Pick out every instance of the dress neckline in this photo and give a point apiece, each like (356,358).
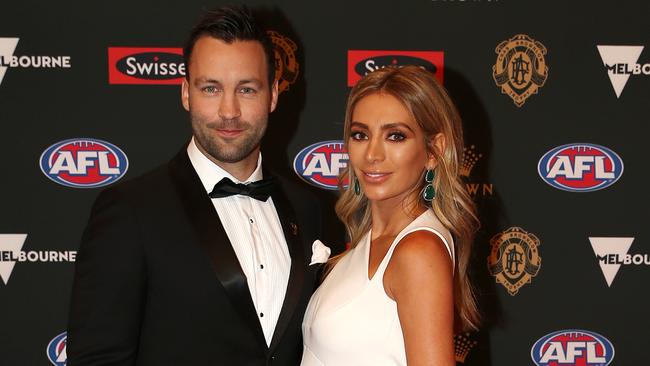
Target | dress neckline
(368,243)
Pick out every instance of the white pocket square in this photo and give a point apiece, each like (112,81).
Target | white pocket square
(319,252)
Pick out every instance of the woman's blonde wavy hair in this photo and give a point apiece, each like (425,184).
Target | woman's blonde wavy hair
(435,113)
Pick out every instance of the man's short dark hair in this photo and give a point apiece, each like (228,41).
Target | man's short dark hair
(230,24)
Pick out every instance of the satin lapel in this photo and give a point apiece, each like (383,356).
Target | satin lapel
(214,240)
(298,265)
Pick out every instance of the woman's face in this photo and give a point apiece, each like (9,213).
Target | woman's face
(386,148)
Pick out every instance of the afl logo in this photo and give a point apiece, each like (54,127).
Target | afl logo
(572,347)
(580,167)
(320,164)
(56,350)
(84,163)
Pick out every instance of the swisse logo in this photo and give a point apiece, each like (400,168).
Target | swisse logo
(130,65)
(9,60)
(361,63)
(84,163)
(56,350)
(580,167)
(572,347)
(321,163)
(620,62)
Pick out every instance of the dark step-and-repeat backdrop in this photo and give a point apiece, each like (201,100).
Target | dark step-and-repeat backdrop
(554,95)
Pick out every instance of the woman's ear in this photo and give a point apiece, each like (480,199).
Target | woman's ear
(437,143)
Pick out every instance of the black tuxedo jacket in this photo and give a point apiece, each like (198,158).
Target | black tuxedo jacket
(158,283)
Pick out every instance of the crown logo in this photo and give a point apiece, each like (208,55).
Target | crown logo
(463,344)
(470,157)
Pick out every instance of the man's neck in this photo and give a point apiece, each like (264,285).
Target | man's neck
(242,169)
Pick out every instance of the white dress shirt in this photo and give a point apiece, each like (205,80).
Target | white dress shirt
(255,233)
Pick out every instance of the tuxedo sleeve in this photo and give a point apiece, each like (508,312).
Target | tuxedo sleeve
(109,286)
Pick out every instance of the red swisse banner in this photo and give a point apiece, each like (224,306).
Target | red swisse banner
(136,65)
(361,63)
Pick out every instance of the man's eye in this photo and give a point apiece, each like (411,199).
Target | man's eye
(358,135)
(396,136)
(210,89)
(247,90)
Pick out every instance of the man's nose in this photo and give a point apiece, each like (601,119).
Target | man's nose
(229,107)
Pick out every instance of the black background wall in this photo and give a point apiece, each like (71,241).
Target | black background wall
(555,280)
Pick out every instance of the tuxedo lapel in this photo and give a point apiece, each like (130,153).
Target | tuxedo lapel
(214,240)
(298,266)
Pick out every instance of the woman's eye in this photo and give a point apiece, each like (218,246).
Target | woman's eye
(356,135)
(396,136)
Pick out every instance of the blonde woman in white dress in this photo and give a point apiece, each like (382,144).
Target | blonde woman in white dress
(397,296)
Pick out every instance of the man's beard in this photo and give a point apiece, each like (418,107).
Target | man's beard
(231,151)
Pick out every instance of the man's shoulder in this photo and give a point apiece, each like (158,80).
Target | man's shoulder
(150,185)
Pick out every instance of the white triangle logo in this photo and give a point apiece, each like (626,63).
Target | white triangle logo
(7,48)
(612,55)
(605,246)
(10,243)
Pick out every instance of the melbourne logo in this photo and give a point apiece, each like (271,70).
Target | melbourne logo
(11,252)
(463,344)
(521,68)
(56,350)
(470,158)
(572,347)
(620,63)
(84,163)
(611,253)
(286,66)
(8,60)
(580,167)
(514,259)
(132,65)
(321,163)
(361,63)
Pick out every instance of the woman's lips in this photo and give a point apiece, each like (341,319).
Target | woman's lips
(375,177)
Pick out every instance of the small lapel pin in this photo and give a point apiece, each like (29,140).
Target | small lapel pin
(294,228)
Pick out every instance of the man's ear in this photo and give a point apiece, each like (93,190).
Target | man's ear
(438,144)
(185,94)
(274,96)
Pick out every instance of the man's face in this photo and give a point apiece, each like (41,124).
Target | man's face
(228,98)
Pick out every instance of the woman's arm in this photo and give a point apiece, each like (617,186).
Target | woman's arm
(419,278)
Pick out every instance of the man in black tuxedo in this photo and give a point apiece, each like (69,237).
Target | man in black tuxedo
(193,263)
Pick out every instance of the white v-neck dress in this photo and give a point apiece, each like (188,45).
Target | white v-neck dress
(350,320)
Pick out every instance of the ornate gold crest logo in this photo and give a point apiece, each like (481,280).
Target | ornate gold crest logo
(286,66)
(514,259)
(463,343)
(520,69)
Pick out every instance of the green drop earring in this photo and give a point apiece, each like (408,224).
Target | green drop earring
(357,189)
(429,192)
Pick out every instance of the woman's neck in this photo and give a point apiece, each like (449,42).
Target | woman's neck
(389,217)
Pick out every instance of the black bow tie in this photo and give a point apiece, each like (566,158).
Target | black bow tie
(260,190)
